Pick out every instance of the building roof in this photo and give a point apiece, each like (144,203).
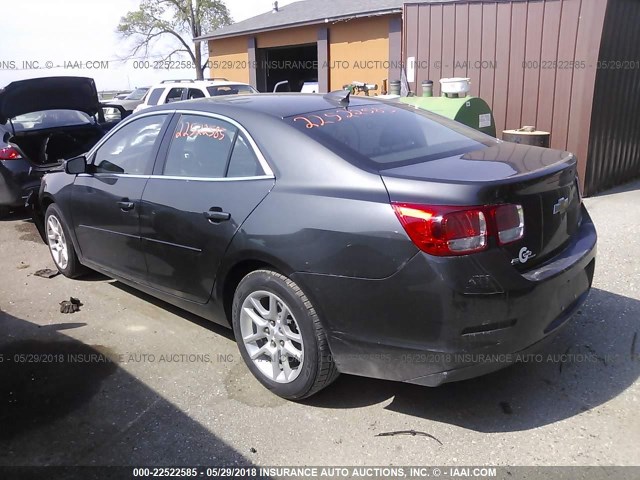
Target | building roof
(308,12)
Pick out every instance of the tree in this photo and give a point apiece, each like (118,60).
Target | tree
(179,20)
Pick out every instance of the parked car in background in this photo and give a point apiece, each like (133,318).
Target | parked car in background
(129,103)
(16,180)
(170,91)
(44,121)
(122,95)
(334,234)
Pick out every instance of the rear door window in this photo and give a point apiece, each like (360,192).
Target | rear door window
(244,162)
(174,95)
(154,96)
(201,147)
(195,93)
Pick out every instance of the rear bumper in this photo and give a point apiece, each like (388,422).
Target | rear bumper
(16,183)
(439,320)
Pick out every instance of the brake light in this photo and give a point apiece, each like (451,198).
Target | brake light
(9,153)
(445,230)
(509,223)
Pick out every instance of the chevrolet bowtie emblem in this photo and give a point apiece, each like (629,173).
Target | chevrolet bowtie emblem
(561,206)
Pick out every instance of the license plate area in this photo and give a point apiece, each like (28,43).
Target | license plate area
(569,296)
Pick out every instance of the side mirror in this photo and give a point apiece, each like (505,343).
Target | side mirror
(76,166)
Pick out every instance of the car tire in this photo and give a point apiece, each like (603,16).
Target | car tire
(60,245)
(280,336)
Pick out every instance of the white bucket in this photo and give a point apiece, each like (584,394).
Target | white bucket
(455,85)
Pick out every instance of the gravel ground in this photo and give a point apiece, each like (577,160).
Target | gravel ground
(176,392)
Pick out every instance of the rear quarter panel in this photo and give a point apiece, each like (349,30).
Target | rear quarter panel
(56,187)
(324,215)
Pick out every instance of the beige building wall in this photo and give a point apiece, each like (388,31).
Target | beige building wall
(358,50)
(228,58)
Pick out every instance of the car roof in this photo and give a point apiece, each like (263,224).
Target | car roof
(279,105)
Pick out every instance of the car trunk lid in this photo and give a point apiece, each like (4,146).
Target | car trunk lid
(49,93)
(542,180)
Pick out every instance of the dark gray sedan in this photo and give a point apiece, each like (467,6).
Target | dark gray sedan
(333,234)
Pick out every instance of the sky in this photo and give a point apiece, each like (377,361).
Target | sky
(49,38)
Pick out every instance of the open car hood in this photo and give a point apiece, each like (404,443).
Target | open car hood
(48,93)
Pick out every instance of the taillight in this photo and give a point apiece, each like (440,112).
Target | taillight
(509,223)
(443,230)
(9,153)
(465,231)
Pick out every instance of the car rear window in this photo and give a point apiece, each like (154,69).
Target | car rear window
(50,119)
(385,136)
(230,90)
(137,94)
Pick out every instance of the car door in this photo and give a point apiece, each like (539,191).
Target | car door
(212,178)
(106,202)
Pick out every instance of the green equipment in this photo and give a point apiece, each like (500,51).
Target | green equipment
(471,111)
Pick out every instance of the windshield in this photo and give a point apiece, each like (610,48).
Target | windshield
(50,119)
(385,136)
(231,90)
(137,94)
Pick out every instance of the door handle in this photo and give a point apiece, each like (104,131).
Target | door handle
(125,206)
(216,216)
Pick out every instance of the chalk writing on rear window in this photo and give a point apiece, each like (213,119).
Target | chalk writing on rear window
(337,116)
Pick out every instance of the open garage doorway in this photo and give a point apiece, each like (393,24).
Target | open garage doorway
(295,64)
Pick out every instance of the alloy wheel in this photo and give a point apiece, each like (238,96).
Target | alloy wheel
(57,242)
(271,336)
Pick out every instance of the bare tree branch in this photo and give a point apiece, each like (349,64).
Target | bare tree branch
(169,55)
(176,19)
